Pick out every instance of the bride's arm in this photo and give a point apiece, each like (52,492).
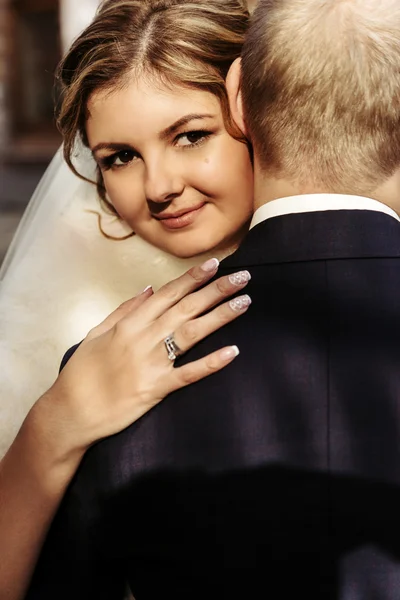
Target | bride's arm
(118,373)
(34,475)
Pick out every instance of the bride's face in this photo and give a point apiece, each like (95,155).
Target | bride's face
(170,168)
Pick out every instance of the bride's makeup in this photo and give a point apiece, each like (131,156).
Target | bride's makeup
(170,168)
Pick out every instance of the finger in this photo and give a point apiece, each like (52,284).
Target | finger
(172,292)
(192,332)
(120,313)
(203,300)
(203,367)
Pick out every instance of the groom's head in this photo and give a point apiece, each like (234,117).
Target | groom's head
(320,92)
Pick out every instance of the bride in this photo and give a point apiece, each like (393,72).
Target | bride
(49,300)
(181,180)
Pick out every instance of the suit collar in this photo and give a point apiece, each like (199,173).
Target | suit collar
(325,235)
(318,203)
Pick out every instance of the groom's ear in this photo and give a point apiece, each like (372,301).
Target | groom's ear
(235,94)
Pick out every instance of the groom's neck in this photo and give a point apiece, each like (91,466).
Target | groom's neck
(268,188)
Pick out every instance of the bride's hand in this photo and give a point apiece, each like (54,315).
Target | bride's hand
(122,369)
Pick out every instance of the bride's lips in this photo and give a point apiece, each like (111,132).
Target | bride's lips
(180,219)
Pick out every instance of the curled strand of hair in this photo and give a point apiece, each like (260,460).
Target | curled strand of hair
(104,233)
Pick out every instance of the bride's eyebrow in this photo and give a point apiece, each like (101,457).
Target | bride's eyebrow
(115,147)
(167,133)
(172,129)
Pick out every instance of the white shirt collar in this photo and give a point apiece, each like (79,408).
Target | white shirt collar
(317,203)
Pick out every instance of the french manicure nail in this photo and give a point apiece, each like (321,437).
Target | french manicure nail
(240,304)
(146,289)
(210,265)
(240,278)
(229,353)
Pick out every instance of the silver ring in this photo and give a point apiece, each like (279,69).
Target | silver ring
(172,347)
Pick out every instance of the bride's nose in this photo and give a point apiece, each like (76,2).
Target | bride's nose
(163,182)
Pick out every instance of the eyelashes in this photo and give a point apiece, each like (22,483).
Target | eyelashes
(123,158)
(195,138)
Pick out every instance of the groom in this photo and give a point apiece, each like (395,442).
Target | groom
(280,475)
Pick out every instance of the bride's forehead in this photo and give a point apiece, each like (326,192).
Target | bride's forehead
(144,99)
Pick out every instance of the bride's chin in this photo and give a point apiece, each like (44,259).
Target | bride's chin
(190,250)
(198,250)
(194,244)
(189,253)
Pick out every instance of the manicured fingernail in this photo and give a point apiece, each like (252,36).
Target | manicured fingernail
(240,278)
(210,265)
(229,353)
(146,289)
(240,304)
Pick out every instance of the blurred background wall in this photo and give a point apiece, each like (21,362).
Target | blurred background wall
(33,35)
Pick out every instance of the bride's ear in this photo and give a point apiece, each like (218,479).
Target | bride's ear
(235,94)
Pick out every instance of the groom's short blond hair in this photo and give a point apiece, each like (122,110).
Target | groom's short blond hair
(321,91)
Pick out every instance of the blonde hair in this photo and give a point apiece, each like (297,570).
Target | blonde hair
(182,42)
(321,91)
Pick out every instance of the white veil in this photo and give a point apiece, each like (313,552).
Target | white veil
(57,183)
(61,277)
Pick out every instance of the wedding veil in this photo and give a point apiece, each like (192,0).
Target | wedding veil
(49,200)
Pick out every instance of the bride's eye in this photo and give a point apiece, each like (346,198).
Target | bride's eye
(119,159)
(124,157)
(192,138)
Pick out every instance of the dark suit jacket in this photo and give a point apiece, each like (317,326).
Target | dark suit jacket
(278,476)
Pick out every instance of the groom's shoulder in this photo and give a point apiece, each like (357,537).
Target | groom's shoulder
(329,234)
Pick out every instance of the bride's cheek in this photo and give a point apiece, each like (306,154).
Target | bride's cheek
(207,170)
(120,194)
